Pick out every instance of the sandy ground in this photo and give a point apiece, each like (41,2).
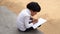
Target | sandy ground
(50,11)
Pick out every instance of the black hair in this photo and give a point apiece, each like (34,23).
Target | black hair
(34,6)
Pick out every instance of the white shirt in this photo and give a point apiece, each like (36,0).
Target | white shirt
(23,20)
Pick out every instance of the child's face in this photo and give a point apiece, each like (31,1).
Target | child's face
(33,13)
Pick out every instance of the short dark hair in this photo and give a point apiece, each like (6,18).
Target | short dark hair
(34,6)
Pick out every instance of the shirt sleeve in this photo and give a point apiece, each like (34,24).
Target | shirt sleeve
(27,24)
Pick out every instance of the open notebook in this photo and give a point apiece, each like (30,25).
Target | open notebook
(40,22)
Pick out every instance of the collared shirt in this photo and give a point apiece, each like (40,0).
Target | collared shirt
(23,20)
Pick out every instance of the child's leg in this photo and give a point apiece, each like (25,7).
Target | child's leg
(29,29)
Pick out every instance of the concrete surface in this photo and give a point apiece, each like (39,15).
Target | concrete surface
(50,9)
(8,23)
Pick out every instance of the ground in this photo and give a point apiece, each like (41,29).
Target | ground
(50,11)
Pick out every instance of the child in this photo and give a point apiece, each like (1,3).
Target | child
(24,20)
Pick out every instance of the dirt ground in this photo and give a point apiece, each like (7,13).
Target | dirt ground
(50,11)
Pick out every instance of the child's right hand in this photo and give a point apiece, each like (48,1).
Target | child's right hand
(35,21)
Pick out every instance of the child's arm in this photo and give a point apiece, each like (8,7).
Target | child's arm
(33,20)
(27,24)
(27,20)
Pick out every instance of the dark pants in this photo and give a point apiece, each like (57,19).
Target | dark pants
(29,29)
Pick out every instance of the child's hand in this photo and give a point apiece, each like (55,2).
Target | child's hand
(35,21)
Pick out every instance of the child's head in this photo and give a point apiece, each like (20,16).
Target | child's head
(33,7)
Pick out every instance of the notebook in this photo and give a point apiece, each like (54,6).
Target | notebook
(40,22)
